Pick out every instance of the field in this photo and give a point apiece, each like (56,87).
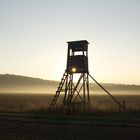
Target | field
(25,117)
(22,102)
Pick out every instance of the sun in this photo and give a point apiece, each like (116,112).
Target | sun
(73,69)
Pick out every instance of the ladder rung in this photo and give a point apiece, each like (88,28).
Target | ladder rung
(59,86)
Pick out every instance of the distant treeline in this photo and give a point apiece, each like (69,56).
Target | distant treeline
(17,80)
(8,81)
(116,86)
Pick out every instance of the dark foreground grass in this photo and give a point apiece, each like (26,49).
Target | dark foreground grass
(25,117)
(43,125)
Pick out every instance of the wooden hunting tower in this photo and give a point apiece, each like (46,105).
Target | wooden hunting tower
(76,93)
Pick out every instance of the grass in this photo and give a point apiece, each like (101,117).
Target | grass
(102,109)
(26,117)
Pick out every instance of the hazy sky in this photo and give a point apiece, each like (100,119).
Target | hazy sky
(33,36)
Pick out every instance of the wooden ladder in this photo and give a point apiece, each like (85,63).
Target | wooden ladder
(59,89)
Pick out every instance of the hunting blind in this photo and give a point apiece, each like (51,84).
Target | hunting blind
(76,93)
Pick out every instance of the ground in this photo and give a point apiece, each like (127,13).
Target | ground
(33,127)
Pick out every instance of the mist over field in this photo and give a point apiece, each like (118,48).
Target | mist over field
(20,93)
(22,84)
